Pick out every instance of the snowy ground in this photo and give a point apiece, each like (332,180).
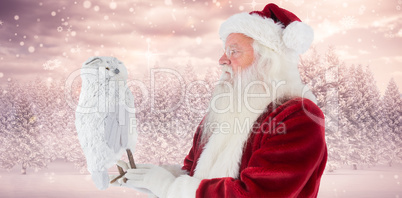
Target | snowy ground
(62,181)
(59,180)
(376,182)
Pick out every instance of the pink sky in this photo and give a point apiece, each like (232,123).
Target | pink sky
(52,38)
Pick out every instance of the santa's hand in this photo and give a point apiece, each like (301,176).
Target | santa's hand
(123,167)
(154,178)
(120,181)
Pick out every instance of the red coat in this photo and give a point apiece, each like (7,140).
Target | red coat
(275,162)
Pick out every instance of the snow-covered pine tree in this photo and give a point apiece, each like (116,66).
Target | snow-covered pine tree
(142,102)
(375,141)
(356,115)
(196,100)
(67,145)
(3,133)
(71,148)
(167,99)
(7,160)
(362,113)
(309,66)
(333,78)
(189,73)
(191,113)
(392,123)
(212,76)
(43,99)
(157,139)
(312,73)
(24,147)
(57,125)
(340,146)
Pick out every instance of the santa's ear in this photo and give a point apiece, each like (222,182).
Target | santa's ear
(92,60)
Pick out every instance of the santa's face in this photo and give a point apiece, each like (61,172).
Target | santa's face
(239,53)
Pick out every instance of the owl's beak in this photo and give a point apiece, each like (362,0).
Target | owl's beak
(116,71)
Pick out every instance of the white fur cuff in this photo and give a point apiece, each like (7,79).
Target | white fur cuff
(175,169)
(184,186)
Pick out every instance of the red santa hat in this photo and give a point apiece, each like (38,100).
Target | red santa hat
(274,27)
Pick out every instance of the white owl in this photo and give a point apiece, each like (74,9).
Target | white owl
(105,116)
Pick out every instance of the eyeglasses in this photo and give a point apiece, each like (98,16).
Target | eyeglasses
(232,52)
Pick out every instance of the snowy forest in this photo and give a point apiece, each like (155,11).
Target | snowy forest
(363,126)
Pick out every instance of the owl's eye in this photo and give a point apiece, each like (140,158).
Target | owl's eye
(107,68)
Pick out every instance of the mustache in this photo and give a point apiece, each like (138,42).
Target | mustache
(227,69)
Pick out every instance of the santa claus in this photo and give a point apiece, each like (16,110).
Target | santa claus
(263,135)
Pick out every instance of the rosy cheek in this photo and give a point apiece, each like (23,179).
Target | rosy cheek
(248,60)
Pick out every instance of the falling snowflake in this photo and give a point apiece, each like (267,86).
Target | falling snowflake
(298,2)
(362,9)
(77,49)
(348,22)
(59,29)
(168,2)
(253,3)
(51,64)
(1,22)
(113,5)
(389,35)
(87,4)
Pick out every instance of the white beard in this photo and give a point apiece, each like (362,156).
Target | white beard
(230,112)
(229,120)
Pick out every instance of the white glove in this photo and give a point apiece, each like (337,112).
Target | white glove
(120,182)
(162,182)
(154,178)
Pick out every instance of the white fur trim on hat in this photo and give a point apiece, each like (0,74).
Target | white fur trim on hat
(297,36)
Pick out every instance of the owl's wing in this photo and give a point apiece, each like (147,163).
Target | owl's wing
(124,128)
(116,128)
(111,130)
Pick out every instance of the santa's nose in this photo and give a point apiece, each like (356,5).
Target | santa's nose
(116,71)
(224,60)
